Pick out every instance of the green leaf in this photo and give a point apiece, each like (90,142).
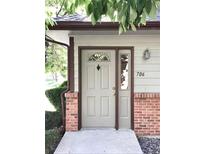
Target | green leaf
(157,3)
(104,6)
(99,6)
(72,9)
(148,6)
(128,12)
(81,2)
(153,11)
(143,18)
(122,12)
(76,3)
(65,5)
(123,20)
(93,19)
(96,13)
(110,12)
(89,9)
(133,27)
(133,14)
(121,29)
(125,28)
(133,4)
(140,5)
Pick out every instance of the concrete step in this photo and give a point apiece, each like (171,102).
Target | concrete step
(99,141)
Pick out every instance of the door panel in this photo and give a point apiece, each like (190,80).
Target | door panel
(91,77)
(124,105)
(104,76)
(91,106)
(105,105)
(98,80)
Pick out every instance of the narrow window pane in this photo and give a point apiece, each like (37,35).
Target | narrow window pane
(124,71)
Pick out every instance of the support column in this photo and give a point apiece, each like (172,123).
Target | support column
(71,111)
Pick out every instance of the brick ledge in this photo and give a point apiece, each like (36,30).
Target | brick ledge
(147,95)
(71,94)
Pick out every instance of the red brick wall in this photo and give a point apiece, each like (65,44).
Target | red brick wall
(71,111)
(147,114)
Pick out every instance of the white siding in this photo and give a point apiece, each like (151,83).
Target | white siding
(151,67)
(59,35)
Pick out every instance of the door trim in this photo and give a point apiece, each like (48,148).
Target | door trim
(116,48)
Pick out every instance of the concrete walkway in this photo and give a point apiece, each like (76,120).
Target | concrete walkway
(99,141)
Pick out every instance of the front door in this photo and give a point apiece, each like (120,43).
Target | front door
(98,88)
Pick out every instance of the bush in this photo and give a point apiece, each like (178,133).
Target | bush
(52,138)
(63,85)
(53,119)
(54,97)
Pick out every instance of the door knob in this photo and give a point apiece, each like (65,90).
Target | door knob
(114,91)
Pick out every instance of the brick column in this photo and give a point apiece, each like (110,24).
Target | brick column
(147,114)
(71,111)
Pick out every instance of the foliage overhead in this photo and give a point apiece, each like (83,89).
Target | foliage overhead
(127,12)
(55,60)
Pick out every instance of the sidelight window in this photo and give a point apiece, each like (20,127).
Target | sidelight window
(124,72)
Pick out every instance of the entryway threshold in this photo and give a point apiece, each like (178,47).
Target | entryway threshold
(99,141)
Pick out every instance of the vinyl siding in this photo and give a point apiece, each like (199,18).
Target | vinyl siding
(151,67)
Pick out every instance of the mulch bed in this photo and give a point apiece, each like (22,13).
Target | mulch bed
(149,145)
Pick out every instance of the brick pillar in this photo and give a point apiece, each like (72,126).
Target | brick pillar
(71,111)
(147,114)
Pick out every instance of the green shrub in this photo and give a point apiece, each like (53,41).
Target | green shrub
(54,97)
(63,85)
(52,138)
(53,119)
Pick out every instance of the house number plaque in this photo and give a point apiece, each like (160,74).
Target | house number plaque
(140,74)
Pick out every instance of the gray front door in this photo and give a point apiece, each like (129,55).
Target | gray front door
(98,88)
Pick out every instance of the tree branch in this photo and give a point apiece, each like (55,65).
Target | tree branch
(60,8)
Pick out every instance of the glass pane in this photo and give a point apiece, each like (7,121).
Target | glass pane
(124,71)
(99,57)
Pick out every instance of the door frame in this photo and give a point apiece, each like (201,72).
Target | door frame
(116,48)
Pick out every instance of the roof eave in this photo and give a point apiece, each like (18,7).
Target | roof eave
(79,25)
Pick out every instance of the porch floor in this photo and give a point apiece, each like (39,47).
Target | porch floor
(99,141)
